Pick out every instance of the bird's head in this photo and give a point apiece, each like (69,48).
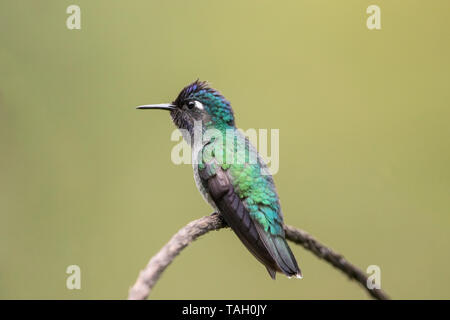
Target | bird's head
(198,102)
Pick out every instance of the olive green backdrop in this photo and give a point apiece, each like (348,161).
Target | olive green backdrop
(86,179)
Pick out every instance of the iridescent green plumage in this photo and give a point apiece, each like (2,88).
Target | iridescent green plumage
(250,179)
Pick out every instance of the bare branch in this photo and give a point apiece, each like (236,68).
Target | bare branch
(336,260)
(156,266)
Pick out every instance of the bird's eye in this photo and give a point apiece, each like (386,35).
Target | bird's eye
(191,104)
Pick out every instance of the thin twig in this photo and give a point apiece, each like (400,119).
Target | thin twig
(156,266)
(336,260)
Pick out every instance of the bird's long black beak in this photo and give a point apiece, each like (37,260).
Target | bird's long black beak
(162,106)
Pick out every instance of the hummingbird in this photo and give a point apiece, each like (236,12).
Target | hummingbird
(241,190)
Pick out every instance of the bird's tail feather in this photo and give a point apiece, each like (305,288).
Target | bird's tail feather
(285,258)
(280,252)
(271,272)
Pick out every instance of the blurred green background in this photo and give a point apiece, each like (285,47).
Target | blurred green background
(86,179)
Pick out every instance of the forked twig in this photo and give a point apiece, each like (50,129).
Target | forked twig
(158,263)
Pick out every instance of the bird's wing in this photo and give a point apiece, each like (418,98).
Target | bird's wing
(254,220)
